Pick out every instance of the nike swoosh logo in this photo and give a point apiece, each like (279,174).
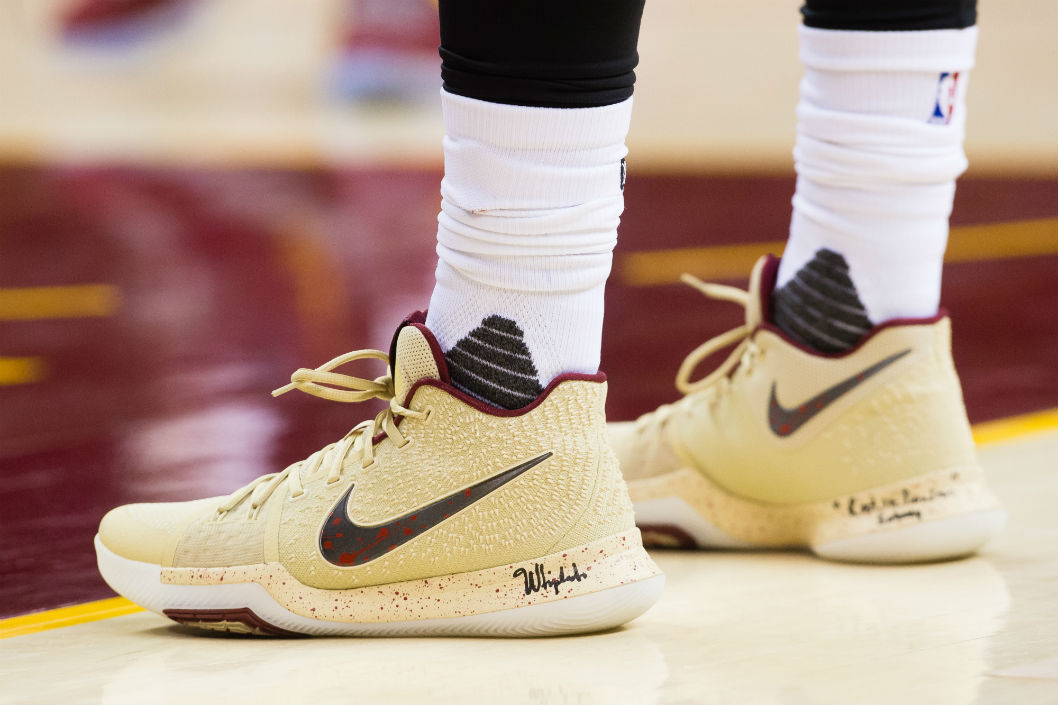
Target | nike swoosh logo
(343,542)
(785,421)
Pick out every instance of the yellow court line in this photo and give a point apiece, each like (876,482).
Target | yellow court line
(66,616)
(20,370)
(966,244)
(39,302)
(1014,427)
(984,433)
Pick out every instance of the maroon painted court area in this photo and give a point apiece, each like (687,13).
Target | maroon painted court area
(229,280)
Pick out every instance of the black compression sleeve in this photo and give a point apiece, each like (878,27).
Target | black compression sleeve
(889,15)
(550,53)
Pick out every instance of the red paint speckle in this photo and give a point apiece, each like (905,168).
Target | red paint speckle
(326,544)
(407,532)
(785,428)
(336,521)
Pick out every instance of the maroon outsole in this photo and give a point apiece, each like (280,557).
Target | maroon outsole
(243,615)
(666,536)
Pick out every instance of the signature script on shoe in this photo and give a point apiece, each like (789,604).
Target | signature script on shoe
(538,579)
(892,508)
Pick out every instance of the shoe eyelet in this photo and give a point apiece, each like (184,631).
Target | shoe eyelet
(429,413)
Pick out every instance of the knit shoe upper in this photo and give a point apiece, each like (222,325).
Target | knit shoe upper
(778,425)
(438,483)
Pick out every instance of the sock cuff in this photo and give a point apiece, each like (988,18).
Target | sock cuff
(504,160)
(917,51)
(524,128)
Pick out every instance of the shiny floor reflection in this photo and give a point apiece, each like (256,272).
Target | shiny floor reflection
(731,627)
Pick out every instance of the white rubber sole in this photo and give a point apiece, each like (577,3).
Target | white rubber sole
(249,608)
(940,515)
(940,539)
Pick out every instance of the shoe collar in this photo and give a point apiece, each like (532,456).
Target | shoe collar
(759,311)
(416,360)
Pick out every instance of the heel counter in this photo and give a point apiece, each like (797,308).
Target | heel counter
(950,396)
(608,509)
(922,408)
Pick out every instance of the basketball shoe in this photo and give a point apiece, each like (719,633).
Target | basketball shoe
(861,456)
(441,516)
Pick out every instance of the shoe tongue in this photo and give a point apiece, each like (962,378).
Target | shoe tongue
(415,355)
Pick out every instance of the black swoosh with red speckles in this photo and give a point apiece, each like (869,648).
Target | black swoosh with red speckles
(785,421)
(345,543)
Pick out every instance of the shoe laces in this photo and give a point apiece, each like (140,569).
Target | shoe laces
(357,444)
(743,356)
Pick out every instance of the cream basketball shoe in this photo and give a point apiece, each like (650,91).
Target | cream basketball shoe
(861,456)
(441,516)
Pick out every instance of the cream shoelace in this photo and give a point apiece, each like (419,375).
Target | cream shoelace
(323,382)
(744,355)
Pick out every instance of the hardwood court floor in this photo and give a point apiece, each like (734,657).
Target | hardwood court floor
(146,313)
(730,628)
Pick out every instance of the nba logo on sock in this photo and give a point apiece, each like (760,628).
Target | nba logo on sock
(947,85)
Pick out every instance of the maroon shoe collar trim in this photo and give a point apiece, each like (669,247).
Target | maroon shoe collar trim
(495,411)
(892,323)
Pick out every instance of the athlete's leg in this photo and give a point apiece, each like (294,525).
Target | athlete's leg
(537,102)
(879,145)
(364,536)
(837,422)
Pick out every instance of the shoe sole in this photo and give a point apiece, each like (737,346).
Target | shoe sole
(618,583)
(941,515)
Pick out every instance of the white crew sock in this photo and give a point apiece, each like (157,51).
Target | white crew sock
(879,145)
(531,199)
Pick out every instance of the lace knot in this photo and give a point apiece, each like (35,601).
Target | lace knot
(323,382)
